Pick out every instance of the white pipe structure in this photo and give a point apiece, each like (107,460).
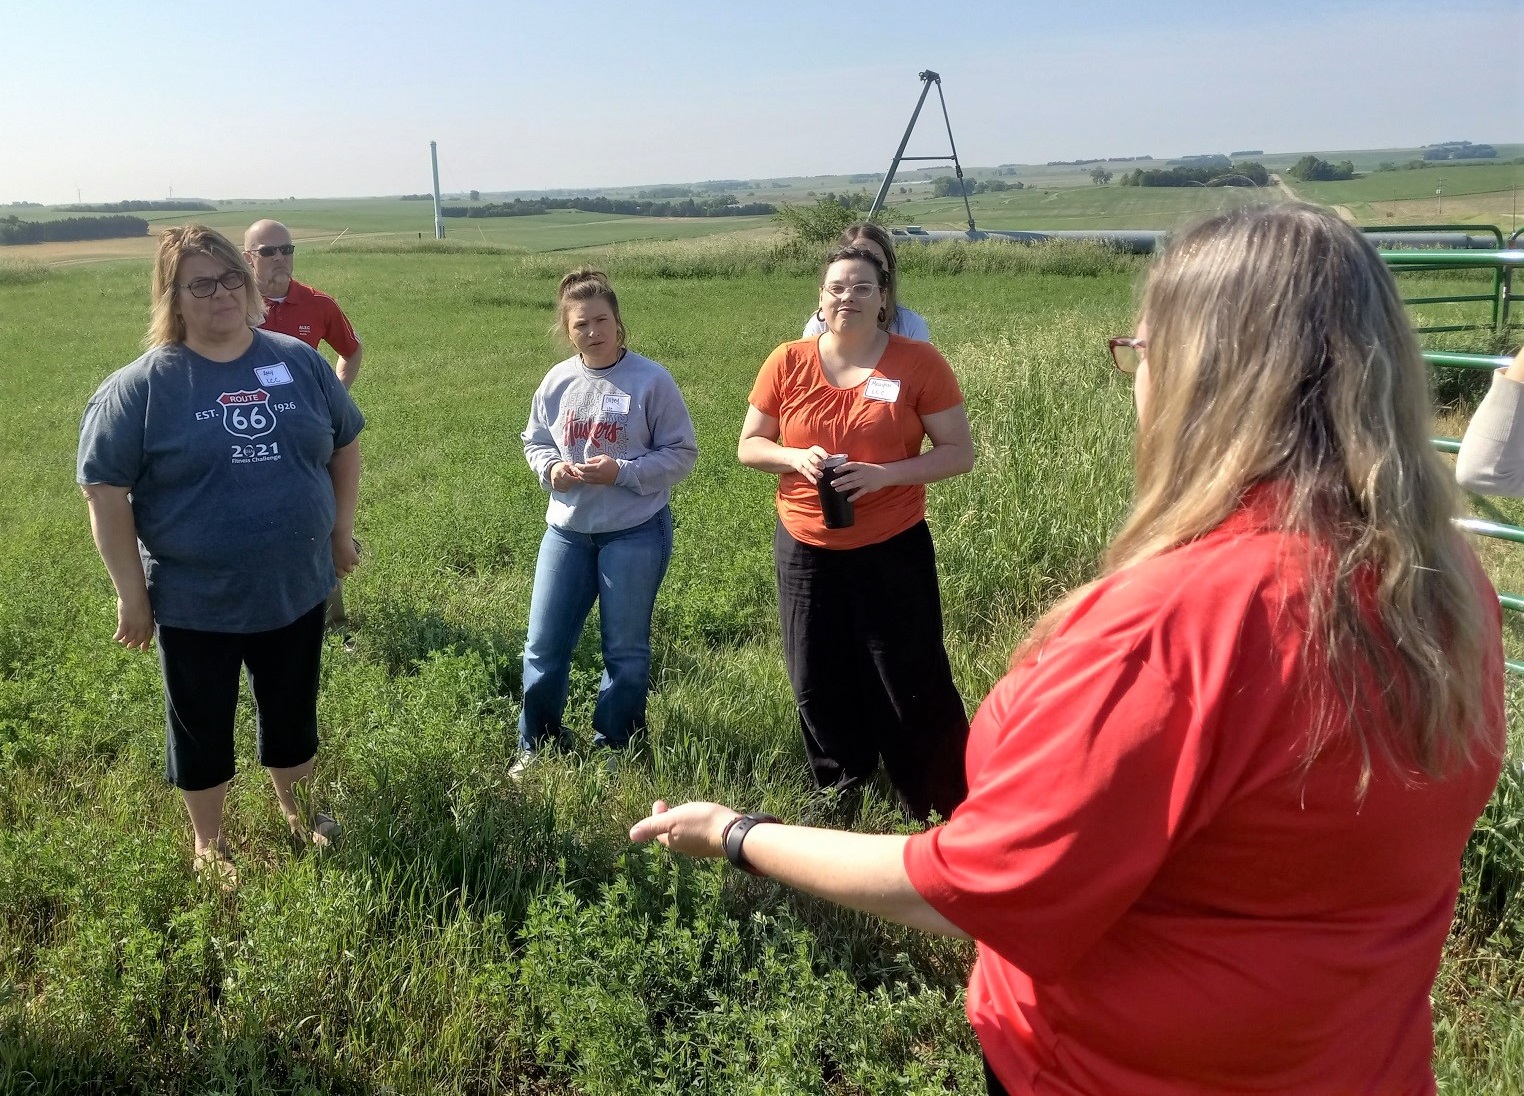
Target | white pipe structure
(438,209)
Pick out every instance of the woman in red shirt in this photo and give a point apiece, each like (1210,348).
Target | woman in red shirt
(1217,807)
(858,599)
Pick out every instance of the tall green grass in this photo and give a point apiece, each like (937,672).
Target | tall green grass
(477,935)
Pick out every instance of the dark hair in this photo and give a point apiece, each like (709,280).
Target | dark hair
(586,284)
(867,230)
(859,254)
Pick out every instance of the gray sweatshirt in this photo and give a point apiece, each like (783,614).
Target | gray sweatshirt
(1491,457)
(631,411)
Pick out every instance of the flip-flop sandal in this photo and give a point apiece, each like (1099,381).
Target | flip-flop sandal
(215,866)
(323,833)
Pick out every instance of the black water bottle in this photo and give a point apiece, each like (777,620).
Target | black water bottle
(836,507)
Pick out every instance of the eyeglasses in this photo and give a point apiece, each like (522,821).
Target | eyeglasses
(861,290)
(205,287)
(274,249)
(1128,353)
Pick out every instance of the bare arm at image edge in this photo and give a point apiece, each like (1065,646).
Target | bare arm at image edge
(1491,457)
(115,532)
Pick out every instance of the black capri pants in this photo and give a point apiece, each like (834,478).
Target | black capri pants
(862,636)
(201,676)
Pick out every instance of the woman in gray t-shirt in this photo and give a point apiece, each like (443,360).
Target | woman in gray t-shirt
(221,470)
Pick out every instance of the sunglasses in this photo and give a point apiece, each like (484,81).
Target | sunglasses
(1127,352)
(274,249)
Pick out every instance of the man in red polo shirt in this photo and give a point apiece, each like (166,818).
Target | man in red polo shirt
(292,308)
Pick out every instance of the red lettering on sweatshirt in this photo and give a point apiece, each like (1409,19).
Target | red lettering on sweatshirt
(595,434)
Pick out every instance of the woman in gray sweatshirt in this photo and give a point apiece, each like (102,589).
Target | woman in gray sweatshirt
(608,436)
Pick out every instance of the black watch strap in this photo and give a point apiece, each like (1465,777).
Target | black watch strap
(735,835)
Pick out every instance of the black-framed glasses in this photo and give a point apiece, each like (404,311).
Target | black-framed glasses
(205,287)
(269,250)
(861,290)
(1127,352)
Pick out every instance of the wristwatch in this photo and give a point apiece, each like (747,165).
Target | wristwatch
(735,835)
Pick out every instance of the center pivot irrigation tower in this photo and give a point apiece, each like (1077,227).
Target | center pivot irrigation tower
(927,79)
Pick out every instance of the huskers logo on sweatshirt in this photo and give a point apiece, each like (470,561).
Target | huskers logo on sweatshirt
(593,433)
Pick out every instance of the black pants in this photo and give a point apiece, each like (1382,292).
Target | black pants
(201,674)
(862,636)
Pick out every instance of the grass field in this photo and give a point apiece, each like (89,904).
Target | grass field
(473,935)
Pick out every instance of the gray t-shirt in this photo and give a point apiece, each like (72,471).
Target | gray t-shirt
(227,463)
(632,412)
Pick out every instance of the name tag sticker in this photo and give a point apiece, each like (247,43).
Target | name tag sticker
(273,374)
(882,388)
(616,403)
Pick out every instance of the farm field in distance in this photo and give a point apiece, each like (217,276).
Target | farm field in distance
(473,934)
(1059,196)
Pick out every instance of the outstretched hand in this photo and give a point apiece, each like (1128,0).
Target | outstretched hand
(695,829)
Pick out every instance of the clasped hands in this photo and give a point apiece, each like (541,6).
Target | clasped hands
(601,471)
(854,478)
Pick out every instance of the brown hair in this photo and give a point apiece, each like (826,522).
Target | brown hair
(165,324)
(886,313)
(585,284)
(867,230)
(1279,350)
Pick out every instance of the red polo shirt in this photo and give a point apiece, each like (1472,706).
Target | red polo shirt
(1164,900)
(311,316)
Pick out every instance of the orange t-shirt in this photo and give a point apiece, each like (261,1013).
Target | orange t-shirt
(878,421)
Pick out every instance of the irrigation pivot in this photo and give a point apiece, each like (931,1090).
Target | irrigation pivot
(927,79)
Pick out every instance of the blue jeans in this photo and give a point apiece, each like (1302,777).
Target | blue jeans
(623,571)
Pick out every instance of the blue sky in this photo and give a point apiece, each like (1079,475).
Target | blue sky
(224,100)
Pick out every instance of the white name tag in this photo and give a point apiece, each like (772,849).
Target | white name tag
(273,374)
(882,388)
(616,403)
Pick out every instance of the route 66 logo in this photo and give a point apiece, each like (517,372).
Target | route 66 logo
(247,414)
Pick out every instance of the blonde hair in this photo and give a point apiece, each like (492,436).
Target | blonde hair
(585,284)
(1278,350)
(165,324)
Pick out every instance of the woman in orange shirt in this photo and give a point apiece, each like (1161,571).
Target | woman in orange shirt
(842,419)
(1217,807)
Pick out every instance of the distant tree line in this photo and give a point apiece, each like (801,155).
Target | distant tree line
(1207,159)
(138,207)
(1097,160)
(1243,173)
(416,198)
(1244,153)
(16,231)
(946,186)
(1459,150)
(722,205)
(1310,169)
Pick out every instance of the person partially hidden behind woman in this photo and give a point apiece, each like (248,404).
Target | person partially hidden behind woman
(859,603)
(1491,457)
(1217,807)
(221,470)
(898,320)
